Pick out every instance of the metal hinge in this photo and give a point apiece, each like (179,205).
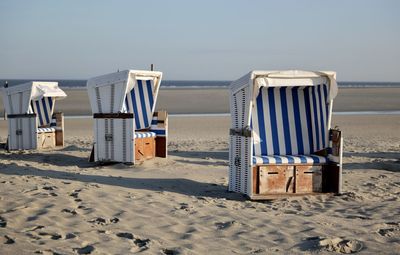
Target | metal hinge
(237,161)
(246,131)
(108,137)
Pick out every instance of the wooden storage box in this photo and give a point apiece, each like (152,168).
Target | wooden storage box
(46,140)
(308,179)
(284,179)
(144,148)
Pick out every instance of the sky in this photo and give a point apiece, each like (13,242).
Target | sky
(199,40)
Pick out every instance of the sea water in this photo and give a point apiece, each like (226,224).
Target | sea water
(173,84)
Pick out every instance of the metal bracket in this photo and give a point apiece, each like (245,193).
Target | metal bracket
(18,132)
(108,137)
(237,161)
(246,131)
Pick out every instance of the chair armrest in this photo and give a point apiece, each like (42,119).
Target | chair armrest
(335,141)
(159,123)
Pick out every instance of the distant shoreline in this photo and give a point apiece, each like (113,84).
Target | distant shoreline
(200,84)
(216,101)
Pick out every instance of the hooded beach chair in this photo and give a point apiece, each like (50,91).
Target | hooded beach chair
(31,121)
(281,141)
(126,128)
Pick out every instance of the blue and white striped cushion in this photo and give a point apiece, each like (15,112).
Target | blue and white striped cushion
(44,109)
(46,130)
(288,159)
(291,120)
(140,102)
(144,134)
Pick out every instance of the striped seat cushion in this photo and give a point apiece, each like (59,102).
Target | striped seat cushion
(290,120)
(46,130)
(140,102)
(289,159)
(144,134)
(44,109)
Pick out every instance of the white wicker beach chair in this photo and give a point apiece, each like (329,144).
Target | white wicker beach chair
(31,121)
(126,128)
(281,141)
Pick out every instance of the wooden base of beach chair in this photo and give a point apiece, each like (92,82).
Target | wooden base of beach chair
(294,179)
(46,140)
(145,148)
(161,147)
(59,121)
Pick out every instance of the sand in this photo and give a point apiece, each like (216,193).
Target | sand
(56,202)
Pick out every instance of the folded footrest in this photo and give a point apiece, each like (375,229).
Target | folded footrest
(46,130)
(144,134)
(289,159)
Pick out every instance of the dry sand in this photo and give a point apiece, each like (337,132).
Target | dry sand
(55,202)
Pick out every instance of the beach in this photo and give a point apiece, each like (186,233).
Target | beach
(216,100)
(56,202)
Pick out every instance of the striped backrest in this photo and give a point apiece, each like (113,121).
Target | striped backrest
(44,109)
(140,102)
(290,120)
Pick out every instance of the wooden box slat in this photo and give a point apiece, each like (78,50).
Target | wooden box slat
(272,179)
(144,148)
(46,140)
(308,179)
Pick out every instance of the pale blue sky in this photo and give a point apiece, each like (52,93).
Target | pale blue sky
(200,40)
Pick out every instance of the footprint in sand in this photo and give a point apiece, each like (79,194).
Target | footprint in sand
(70,236)
(70,211)
(184,207)
(49,187)
(88,249)
(75,193)
(3,222)
(340,245)
(225,225)
(7,240)
(34,228)
(47,252)
(53,236)
(170,251)
(392,230)
(333,244)
(103,221)
(140,243)
(99,221)
(125,235)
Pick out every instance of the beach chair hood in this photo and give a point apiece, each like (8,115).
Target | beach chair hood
(254,80)
(129,91)
(33,97)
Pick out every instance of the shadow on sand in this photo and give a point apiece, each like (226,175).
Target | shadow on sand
(55,158)
(220,155)
(389,161)
(177,185)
